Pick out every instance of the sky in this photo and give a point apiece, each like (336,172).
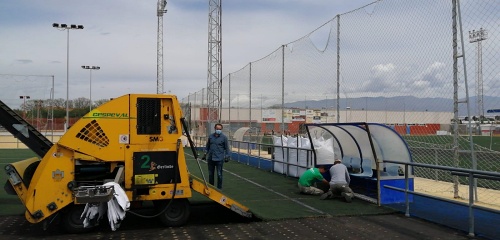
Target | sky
(120,36)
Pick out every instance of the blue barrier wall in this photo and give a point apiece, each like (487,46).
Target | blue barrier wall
(388,196)
(453,214)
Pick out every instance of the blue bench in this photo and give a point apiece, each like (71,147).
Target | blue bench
(364,166)
(366,169)
(352,163)
(391,169)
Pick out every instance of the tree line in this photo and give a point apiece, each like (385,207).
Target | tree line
(40,108)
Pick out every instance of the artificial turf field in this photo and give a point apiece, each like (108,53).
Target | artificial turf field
(489,162)
(269,196)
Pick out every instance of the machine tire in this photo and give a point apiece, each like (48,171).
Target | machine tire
(177,213)
(71,220)
(29,172)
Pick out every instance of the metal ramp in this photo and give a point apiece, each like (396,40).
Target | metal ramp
(199,186)
(23,131)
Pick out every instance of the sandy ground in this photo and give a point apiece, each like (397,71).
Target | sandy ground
(485,197)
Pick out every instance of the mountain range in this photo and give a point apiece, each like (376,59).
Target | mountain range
(399,103)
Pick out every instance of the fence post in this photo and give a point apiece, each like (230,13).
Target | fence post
(471,203)
(407,213)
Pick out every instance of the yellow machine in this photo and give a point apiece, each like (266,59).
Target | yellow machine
(133,140)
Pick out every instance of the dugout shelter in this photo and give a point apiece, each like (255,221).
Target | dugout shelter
(364,148)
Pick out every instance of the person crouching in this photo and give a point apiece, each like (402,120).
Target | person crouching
(309,178)
(339,184)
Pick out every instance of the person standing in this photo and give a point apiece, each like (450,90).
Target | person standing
(309,177)
(339,183)
(216,153)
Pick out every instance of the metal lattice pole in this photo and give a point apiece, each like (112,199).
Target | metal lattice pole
(479,36)
(214,79)
(159,46)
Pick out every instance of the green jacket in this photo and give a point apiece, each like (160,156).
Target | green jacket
(310,176)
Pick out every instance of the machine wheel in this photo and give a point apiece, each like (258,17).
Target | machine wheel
(177,213)
(71,220)
(29,172)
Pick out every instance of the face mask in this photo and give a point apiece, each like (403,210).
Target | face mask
(218,131)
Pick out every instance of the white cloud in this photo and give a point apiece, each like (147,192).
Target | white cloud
(383,50)
(420,84)
(120,37)
(381,69)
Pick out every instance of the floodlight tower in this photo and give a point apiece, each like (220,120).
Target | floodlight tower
(159,47)
(63,27)
(24,104)
(478,36)
(214,78)
(90,68)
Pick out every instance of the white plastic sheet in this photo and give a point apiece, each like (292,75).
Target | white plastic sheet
(325,151)
(292,156)
(289,155)
(298,157)
(303,157)
(280,153)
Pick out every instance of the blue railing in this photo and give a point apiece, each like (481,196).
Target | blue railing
(472,176)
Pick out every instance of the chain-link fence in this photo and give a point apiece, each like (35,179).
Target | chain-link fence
(417,66)
(32,96)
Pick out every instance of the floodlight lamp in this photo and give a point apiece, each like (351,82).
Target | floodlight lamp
(80,26)
(56,25)
(64,25)
(73,26)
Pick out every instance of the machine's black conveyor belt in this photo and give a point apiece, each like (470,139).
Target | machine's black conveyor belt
(23,131)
